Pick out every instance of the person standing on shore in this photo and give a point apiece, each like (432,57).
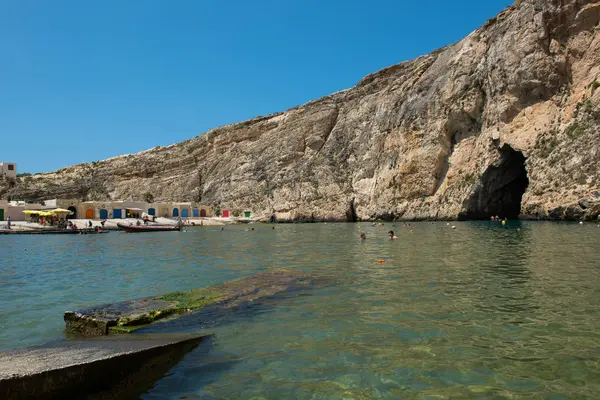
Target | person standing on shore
(9,220)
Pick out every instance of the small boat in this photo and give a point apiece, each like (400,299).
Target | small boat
(148,228)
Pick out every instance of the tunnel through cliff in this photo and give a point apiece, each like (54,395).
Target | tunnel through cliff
(500,189)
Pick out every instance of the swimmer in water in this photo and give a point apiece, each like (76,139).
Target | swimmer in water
(392,236)
(363,237)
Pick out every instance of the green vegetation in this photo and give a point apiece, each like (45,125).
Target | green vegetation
(236,212)
(546,145)
(136,314)
(466,180)
(594,85)
(148,197)
(192,299)
(471,179)
(118,330)
(574,131)
(177,303)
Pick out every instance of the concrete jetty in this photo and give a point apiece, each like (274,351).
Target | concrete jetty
(127,316)
(119,367)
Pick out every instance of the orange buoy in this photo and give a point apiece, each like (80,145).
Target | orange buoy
(381,261)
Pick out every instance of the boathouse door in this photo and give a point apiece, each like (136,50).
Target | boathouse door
(74,213)
(89,213)
(247,214)
(103,214)
(1,214)
(203,213)
(225,213)
(176,212)
(195,212)
(151,211)
(185,212)
(117,213)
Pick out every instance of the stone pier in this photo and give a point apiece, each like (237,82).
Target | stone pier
(118,367)
(127,316)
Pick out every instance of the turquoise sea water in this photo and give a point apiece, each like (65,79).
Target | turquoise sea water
(476,312)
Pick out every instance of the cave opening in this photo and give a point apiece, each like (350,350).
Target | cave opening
(500,189)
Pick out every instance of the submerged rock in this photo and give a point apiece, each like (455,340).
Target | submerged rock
(127,316)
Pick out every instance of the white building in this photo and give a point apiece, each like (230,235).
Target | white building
(8,170)
(14,210)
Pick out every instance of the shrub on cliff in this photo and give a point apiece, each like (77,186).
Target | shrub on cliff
(148,197)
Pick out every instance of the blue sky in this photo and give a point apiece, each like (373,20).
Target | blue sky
(86,80)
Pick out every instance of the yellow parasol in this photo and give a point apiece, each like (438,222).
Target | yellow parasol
(29,212)
(61,211)
(44,214)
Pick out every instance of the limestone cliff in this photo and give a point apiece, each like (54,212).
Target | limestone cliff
(460,133)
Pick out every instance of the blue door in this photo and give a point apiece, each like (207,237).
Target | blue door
(196,212)
(117,213)
(103,214)
(185,212)
(176,212)
(151,211)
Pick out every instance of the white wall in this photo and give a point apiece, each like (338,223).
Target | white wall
(16,211)
(4,169)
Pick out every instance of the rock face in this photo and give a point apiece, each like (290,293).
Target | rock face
(503,122)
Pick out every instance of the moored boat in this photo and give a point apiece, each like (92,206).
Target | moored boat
(148,228)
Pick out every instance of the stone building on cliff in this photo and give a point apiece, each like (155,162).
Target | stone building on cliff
(8,170)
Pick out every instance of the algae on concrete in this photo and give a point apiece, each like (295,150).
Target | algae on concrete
(128,316)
